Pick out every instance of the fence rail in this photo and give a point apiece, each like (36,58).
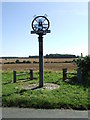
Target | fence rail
(21,74)
(79,74)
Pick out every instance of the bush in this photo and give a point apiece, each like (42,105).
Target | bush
(47,62)
(9,63)
(28,62)
(24,61)
(17,61)
(84,65)
(35,62)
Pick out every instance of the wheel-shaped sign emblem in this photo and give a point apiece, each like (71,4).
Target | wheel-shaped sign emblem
(40,24)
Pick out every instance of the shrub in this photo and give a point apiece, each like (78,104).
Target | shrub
(24,61)
(9,63)
(35,62)
(28,62)
(47,62)
(84,65)
(17,61)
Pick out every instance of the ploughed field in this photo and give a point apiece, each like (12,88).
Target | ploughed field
(49,64)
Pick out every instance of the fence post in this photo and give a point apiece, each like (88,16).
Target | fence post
(79,75)
(31,74)
(64,74)
(14,76)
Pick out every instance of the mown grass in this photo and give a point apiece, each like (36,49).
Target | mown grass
(70,95)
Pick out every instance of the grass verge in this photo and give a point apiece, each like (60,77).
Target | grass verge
(70,95)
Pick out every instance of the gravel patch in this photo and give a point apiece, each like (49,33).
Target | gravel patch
(48,86)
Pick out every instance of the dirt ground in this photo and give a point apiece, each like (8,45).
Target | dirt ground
(47,66)
(36,60)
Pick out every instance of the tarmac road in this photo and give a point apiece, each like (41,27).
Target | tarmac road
(42,113)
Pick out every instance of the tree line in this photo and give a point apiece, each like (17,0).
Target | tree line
(56,56)
(46,56)
(60,56)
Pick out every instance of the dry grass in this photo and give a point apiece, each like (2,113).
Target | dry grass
(59,66)
(47,66)
(19,67)
(37,60)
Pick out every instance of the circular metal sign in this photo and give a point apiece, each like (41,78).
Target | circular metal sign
(40,24)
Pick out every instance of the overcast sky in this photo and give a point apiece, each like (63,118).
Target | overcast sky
(68,25)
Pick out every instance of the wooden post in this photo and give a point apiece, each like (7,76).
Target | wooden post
(79,75)
(14,76)
(41,78)
(31,74)
(64,74)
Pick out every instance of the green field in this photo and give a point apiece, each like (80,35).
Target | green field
(70,95)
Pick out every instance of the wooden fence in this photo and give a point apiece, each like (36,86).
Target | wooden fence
(21,74)
(79,74)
